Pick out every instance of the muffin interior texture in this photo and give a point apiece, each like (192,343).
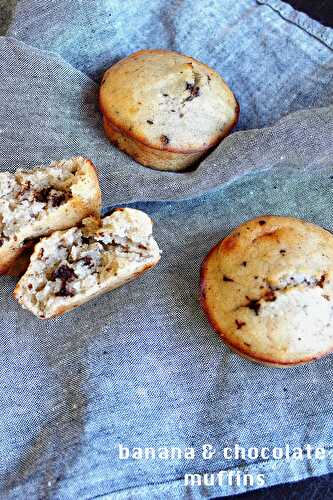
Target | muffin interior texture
(71,264)
(28,195)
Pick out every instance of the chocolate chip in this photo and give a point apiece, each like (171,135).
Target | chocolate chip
(150,122)
(208,78)
(283,252)
(262,222)
(64,273)
(57,199)
(42,196)
(165,95)
(239,324)
(226,278)
(254,305)
(88,261)
(244,263)
(1,242)
(194,91)
(164,139)
(322,281)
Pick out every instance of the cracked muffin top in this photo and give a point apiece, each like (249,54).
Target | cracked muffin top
(168,101)
(267,290)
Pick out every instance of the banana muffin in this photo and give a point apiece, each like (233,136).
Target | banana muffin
(71,267)
(165,109)
(36,202)
(267,290)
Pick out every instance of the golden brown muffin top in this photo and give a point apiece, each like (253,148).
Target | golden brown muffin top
(267,289)
(167,100)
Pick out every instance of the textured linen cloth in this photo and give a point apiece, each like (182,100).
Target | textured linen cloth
(141,366)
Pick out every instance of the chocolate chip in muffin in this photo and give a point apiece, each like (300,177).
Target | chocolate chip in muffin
(88,261)
(57,199)
(150,122)
(194,91)
(85,240)
(65,291)
(239,324)
(42,196)
(262,222)
(164,139)
(254,305)
(322,281)
(65,273)
(227,279)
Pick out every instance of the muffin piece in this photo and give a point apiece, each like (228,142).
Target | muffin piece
(267,290)
(165,109)
(71,267)
(35,202)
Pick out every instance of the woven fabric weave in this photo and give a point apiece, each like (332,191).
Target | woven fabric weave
(141,366)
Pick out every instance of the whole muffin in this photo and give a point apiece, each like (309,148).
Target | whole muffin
(165,109)
(267,290)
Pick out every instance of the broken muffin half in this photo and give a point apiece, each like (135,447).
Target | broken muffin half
(71,267)
(36,202)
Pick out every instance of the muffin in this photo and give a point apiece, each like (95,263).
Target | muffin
(71,267)
(165,109)
(267,290)
(36,202)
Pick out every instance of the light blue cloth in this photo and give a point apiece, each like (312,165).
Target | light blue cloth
(141,366)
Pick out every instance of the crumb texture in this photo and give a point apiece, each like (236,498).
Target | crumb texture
(35,202)
(70,267)
(276,304)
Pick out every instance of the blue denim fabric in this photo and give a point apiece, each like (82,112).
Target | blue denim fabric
(141,366)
